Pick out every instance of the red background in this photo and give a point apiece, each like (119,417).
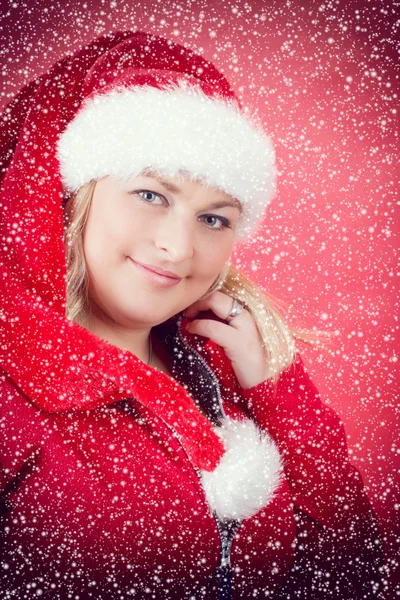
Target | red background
(323,77)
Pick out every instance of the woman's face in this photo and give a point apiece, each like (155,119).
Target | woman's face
(161,222)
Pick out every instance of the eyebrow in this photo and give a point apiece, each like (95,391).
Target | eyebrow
(174,189)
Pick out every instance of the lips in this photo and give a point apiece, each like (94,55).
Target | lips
(161,281)
(159,271)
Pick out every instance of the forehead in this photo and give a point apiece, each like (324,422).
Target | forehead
(173,184)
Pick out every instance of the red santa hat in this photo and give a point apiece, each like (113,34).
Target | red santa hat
(152,103)
(126,101)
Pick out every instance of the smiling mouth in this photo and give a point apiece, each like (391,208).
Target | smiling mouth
(156,278)
(159,271)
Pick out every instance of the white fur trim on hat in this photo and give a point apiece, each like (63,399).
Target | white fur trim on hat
(248,474)
(179,128)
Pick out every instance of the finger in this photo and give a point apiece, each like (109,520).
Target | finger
(202,304)
(220,303)
(193,310)
(220,333)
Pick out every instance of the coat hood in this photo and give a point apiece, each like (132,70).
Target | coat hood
(57,364)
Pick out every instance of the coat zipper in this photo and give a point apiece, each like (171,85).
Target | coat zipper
(227,533)
(205,365)
(228,529)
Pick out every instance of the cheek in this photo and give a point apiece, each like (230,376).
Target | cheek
(215,253)
(211,259)
(107,234)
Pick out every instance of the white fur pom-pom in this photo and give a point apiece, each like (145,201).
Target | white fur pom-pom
(248,474)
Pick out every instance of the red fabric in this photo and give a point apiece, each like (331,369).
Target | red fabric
(93,491)
(62,366)
(325,489)
(144,59)
(100,493)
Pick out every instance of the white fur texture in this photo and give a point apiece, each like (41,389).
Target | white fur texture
(248,474)
(175,129)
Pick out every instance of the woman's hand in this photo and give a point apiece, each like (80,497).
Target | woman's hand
(240,338)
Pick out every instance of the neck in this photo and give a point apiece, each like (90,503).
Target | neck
(136,340)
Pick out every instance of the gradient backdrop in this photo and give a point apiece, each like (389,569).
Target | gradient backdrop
(323,77)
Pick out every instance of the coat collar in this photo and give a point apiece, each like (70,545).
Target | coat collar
(60,366)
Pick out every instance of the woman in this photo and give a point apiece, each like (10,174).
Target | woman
(148,451)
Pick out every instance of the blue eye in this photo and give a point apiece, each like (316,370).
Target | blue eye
(148,193)
(148,198)
(225,223)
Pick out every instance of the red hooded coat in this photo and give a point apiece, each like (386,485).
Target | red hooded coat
(100,454)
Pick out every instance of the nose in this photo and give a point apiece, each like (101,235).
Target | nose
(175,238)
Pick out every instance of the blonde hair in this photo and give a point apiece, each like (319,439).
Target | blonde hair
(277,336)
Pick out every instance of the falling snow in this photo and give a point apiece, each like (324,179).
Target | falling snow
(101,494)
